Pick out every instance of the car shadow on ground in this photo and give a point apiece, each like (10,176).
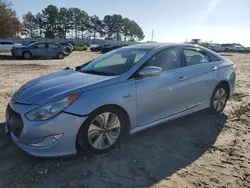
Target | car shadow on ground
(11,58)
(144,159)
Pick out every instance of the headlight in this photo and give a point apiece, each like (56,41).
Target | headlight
(51,109)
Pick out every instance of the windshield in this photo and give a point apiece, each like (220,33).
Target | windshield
(115,62)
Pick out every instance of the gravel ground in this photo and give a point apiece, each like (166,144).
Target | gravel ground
(200,150)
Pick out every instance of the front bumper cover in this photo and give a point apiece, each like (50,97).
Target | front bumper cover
(67,124)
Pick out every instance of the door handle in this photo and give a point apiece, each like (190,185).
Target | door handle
(182,78)
(214,68)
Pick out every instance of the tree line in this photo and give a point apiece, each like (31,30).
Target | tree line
(54,22)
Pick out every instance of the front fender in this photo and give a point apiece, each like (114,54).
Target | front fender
(122,94)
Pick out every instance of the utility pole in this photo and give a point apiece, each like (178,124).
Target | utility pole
(152,38)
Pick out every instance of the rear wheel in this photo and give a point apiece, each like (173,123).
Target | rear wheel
(102,130)
(26,55)
(219,99)
(60,56)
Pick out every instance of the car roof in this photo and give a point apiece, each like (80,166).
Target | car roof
(153,46)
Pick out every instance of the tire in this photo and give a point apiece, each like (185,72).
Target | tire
(60,56)
(98,140)
(219,106)
(27,55)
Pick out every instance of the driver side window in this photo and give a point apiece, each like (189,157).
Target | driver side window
(167,59)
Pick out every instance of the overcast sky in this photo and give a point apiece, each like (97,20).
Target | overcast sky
(172,20)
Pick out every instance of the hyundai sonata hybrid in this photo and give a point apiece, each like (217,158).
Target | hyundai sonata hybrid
(93,106)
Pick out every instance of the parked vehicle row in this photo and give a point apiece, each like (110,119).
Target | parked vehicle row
(228,48)
(137,87)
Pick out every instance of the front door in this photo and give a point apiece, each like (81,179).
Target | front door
(161,96)
(40,49)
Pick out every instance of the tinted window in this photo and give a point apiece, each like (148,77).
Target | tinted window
(167,59)
(53,46)
(195,57)
(40,45)
(213,58)
(6,43)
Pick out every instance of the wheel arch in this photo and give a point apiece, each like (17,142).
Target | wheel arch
(105,106)
(120,108)
(226,84)
(25,51)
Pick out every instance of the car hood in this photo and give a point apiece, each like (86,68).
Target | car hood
(59,84)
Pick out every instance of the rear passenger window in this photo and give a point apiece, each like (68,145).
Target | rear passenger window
(213,58)
(195,57)
(53,46)
(167,59)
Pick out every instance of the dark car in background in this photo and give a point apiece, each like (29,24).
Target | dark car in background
(95,48)
(106,49)
(68,46)
(40,49)
(98,48)
(109,48)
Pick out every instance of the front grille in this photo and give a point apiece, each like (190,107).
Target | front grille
(14,121)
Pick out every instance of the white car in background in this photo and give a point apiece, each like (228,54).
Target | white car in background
(228,48)
(223,48)
(8,45)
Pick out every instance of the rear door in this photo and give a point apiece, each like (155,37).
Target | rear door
(200,74)
(53,50)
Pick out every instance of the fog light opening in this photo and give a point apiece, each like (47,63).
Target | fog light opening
(48,141)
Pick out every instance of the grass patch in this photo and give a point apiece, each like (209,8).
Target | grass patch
(80,48)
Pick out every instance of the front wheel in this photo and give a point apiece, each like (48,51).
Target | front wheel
(219,99)
(102,130)
(26,55)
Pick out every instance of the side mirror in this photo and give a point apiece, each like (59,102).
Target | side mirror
(150,71)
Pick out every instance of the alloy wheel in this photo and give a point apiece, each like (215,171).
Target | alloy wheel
(220,99)
(104,131)
(26,55)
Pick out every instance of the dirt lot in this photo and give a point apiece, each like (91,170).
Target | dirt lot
(200,150)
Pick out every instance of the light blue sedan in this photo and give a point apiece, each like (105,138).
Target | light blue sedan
(93,106)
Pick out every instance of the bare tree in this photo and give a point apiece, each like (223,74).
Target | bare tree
(10,26)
